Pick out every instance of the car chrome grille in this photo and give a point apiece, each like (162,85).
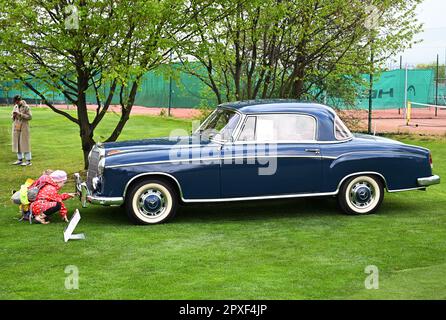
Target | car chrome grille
(93,167)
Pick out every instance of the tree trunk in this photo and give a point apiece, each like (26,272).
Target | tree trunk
(298,85)
(87,144)
(126,109)
(86,132)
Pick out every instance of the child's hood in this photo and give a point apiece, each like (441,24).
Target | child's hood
(46,179)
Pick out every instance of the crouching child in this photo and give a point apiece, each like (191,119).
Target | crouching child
(48,200)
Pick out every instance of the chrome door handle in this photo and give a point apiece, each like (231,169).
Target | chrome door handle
(316,151)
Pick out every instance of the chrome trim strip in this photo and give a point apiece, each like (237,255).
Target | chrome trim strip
(130,149)
(286,196)
(293,142)
(402,190)
(106,201)
(335,142)
(380,152)
(240,142)
(187,160)
(428,181)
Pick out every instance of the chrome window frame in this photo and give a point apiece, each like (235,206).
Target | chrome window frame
(315,133)
(343,124)
(244,116)
(236,129)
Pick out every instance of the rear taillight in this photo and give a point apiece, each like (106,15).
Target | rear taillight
(430,160)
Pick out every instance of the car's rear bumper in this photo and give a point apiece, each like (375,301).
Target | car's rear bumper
(428,181)
(85,195)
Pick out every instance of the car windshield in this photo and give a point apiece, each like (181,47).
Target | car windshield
(220,124)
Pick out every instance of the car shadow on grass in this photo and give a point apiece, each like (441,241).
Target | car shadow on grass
(225,211)
(100,215)
(258,210)
(266,210)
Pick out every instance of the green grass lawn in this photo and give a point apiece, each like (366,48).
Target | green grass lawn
(293,249)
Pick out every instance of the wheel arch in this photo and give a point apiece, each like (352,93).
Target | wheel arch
(365,173)
(155,175)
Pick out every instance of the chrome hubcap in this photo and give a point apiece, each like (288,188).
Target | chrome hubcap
(362,194)
(152,203)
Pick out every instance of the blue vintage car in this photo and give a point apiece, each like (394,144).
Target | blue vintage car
(254,150)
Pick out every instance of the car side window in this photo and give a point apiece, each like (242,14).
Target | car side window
(341,130)
(249,128)
(279,127)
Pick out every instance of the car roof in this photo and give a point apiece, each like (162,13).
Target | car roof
(277,105)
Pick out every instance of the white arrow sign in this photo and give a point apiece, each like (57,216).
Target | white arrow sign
(68,232)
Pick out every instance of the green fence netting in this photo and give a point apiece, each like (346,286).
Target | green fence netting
(389,87)
(187,91)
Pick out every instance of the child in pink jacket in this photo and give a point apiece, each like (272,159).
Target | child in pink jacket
(48,200)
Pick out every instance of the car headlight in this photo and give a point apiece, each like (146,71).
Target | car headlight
(101,166)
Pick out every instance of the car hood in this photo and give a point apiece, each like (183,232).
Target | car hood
(154,150)
(164,143)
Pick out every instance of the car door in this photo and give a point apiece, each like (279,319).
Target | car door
(275,154)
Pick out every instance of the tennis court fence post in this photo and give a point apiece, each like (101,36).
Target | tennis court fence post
(409,110)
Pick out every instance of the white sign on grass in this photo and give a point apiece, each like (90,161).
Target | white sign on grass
(68,232)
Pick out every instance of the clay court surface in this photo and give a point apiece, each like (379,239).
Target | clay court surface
(423,120)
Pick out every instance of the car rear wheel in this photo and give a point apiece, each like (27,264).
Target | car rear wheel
(151,202)
(361,195)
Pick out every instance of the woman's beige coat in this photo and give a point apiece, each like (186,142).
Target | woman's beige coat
(21,115)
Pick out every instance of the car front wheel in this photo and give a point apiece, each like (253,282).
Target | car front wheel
(361,195)
(151,202)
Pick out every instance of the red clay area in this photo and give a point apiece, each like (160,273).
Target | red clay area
(423,120)
(137,110)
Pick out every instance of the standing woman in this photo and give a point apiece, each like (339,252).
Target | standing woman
(21,144)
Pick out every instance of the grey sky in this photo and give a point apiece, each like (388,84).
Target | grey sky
(432,13)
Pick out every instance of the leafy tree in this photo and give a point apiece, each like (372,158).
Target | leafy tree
(433,66)
(76,47)
(303,49)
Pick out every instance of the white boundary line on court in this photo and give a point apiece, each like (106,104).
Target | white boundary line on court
(428,105)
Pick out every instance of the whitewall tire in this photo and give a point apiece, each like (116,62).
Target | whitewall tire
(151,202)
(361,195)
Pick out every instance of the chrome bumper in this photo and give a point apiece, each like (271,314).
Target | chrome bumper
(428,181)
(85,195)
